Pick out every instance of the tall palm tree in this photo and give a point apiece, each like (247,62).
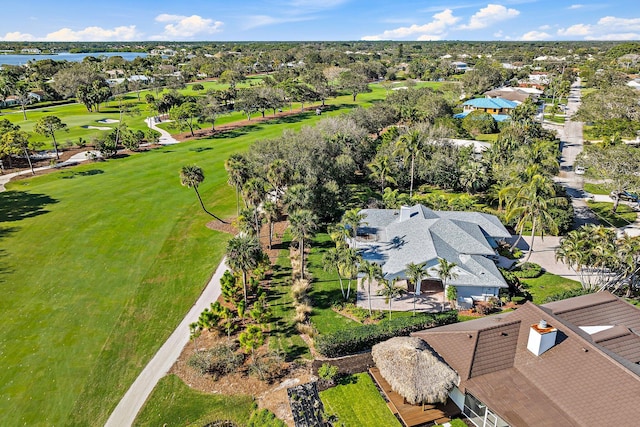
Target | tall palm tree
(381,169)
(389,291)
(574,252)
(415,273)
(340,234)
(349,260)
(236,166)
(445,273)
(352,219)
(296,197)
(244,254)
(192,176)
(271,214)
(531,204)
(411,147)
(254,191)
(372,272)
(303,225)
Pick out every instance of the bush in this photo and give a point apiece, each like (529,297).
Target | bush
(264,418)
(528,270)
(219,360)
(268,367)
(197,86)
(567,294)
(350,341)
(327,372)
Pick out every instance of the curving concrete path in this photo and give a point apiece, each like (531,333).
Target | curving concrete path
(127,409)
(165,137)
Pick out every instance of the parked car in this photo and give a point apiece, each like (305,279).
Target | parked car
(579,170)
(625,195)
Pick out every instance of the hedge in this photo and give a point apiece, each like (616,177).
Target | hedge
(528,270)
(354,340)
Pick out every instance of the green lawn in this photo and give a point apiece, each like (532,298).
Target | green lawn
(597,188)
(623,216)
(283,334)
(548,284)
(357,402)
(99,263)
(326,290)
(174,404)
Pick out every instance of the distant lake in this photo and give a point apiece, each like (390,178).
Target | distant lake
(65,56)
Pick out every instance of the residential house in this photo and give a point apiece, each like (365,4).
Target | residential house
(515,94)
(394,238)
(499,108)
(459,66)
(567,363)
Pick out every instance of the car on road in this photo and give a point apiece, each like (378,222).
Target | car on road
(579,170)
(625,195)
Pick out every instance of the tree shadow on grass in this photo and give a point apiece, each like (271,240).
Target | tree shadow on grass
(327,297)
(17,205)
(73,174)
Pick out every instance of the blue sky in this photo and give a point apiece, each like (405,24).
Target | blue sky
(218,20)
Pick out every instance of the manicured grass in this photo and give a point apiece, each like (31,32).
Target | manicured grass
(326,290)
(100,262)
(597,188)
(173,403)
(548,284)
(357,402)
(624,215)
(283,334)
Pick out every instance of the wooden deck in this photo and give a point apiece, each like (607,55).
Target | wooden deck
(414,415)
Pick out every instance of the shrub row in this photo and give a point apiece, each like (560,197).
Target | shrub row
(350,341)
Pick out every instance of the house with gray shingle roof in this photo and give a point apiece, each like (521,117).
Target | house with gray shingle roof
(394,238)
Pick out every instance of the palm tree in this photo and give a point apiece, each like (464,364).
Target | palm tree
(254,191)
(390,291)
(415,273)
(445,273)
(191,177)
(340,234)
(574,252)
(296,197)
(352,219)
(244,254)
(348,265)
(531,204)
(372,272)
(238,175)
(271,214)
(303,224)
(381,168)
(331,261)
(411,147)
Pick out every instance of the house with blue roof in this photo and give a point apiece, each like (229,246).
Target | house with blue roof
(499,108)
(393,238)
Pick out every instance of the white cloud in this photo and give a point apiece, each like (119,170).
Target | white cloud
(544,27)
(576,30)
(620,24)
(17,36)
(535,36)
(434,30)
(575,6)
(180,27)
(124,33)
(488,16)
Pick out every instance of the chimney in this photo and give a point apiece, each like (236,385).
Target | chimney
(541,338)
(405,213)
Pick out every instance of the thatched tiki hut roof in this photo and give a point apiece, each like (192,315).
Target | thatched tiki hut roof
(413,370)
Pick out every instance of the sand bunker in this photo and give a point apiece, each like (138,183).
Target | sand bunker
(108,121)
(97,127)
